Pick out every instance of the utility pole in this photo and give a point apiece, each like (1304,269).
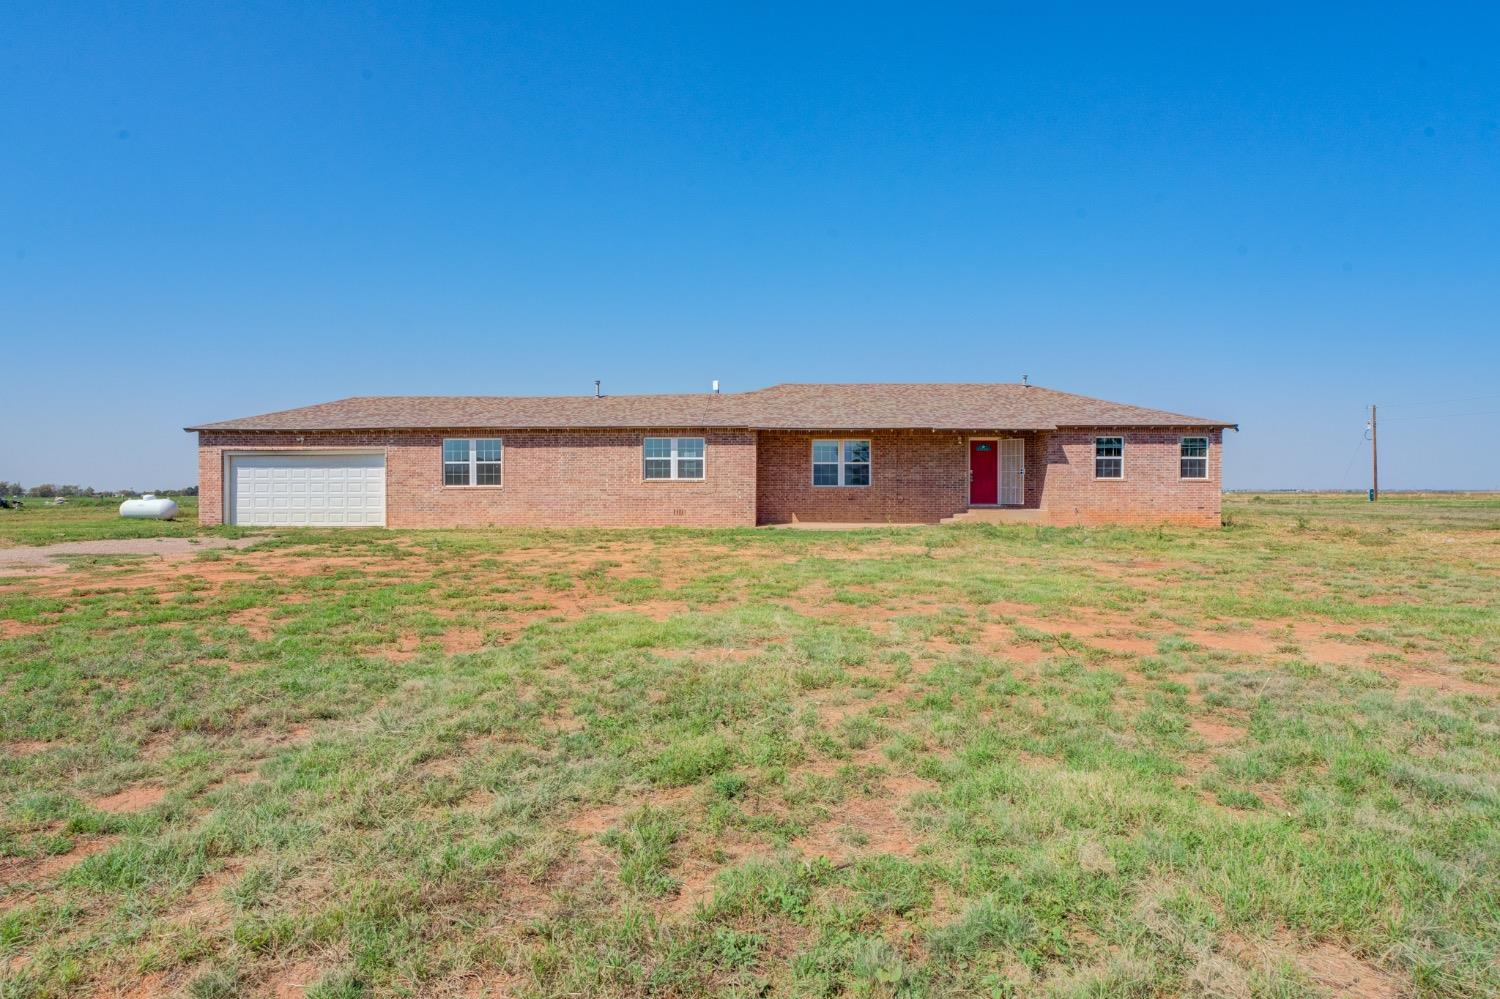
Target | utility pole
(1374,459)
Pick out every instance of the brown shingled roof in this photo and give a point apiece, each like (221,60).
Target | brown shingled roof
(780,407)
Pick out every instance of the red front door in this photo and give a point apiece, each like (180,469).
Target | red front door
(984,473)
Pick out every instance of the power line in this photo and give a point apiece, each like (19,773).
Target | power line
(1429,401)
(1447,416)
(1359,446)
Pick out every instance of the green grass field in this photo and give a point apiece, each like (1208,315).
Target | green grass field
(976,761)
(91,519)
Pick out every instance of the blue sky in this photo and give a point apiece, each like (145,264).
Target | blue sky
(213,210)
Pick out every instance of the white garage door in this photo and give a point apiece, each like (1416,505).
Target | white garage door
(307,490)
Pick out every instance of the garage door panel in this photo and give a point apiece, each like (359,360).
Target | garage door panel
(295,490)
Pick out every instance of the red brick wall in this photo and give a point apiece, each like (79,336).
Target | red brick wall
(922,476)
(1151,491)
(594,478)
(210,480)
(562,478)
(915,476)
(1035,459)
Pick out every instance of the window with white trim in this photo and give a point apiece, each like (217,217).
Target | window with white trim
(472,461)
(841,463)
(1109,457)
(1194,458)
(673,457)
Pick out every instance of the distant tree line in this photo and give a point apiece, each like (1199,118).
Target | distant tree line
(47,490)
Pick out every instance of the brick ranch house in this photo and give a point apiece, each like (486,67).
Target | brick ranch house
(811,453)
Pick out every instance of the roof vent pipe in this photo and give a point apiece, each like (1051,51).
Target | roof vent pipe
(598,392)
(1025,381)
(716,386)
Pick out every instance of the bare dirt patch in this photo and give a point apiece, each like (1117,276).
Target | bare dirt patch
(1323,643)
(460,640)
(493,984)
(27,747)
(54,865)
(723,655)
(1139,572)
(1123,644)
(292,735)
(1109,631)
(1320,642)
(132,799)
(1077,621)
(697,876)
(441,766)
(832,712)
(455,641)
(148,986)
(294,980)
(156,747)
(236,778)
(869,825)
(255,620)
(562,721)
(1345,974)
(205,906)
(21,869)
(1216,733)
(1334,968)
(1001,639)
(405,649)
(1420,679)
(46,556)
(597,819)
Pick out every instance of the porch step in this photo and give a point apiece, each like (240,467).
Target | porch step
(998,515)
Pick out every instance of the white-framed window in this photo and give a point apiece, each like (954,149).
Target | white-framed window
(1109,457)
(672,457)
(473,461)
(1194,459)
(841,462)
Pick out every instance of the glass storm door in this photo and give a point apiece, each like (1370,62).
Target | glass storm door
(1012,471)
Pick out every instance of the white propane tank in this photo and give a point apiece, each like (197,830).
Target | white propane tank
(149,507)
